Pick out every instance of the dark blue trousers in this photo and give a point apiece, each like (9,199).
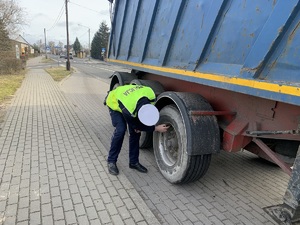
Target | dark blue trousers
(120,124)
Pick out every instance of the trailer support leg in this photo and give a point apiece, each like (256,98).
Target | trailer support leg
(285,167)
(289,211)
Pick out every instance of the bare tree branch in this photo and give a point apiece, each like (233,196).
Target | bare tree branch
(12,16)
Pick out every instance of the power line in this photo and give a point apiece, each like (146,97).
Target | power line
(58,17)
(83,34)
(84,7)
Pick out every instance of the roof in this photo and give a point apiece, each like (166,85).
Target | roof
(22,40)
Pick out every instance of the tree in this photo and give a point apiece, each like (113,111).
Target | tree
(51,45)
(12,16)
(8,61)
(5,44)
(77,46)
(60,44)
(100,41)
(36,48)
(40,44)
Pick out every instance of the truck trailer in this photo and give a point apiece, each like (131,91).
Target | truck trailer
(227,77)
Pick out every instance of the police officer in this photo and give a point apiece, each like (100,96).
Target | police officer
(133,105)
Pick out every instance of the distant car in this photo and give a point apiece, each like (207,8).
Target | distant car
(70,56)
(62,55)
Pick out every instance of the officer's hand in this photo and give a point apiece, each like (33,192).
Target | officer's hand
(161,128)
(137,131)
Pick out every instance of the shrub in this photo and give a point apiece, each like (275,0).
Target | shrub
(9,64)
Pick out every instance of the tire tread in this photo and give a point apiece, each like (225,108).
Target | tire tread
(198,166)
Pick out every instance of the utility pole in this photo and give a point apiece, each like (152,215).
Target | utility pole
(89,40)
(45,43)
(89,44)
(68,50)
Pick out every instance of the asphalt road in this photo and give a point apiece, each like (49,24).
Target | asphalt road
(95,68)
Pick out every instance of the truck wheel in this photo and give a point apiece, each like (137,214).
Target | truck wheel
(121,78)
(146,139)
(155,85)
(115,86)
(170,150)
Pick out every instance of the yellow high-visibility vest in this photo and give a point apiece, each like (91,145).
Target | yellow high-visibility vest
(129,95)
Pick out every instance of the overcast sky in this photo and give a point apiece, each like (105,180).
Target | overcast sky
(51,15)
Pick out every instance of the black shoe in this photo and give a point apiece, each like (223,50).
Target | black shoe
(112,168)
(138,167)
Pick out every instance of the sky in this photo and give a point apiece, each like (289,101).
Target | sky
(50,15)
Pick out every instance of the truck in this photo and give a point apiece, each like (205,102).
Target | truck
(227,77)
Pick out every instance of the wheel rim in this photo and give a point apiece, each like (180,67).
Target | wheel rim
(168,146)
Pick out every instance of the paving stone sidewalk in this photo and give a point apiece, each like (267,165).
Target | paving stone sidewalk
(52,170)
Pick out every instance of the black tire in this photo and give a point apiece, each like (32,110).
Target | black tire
(121,78)
(115,86)
(155,85)
(146,140)
(170,150)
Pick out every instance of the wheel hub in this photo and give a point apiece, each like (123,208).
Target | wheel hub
(169,146)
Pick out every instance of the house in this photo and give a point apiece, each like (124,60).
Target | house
(22,47)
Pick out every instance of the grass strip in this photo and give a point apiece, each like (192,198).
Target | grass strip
(59,73)
(9,84)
